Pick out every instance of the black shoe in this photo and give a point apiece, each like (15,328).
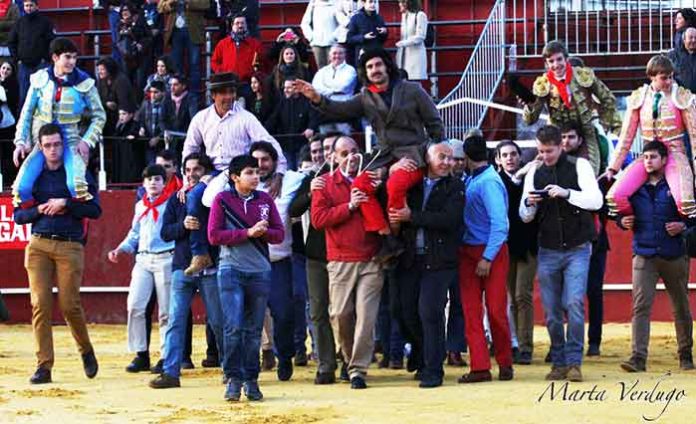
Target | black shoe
(383,363)
(301,359)
(414,362)
(686,361)
(211,362)
(187,364)
(515,354)
(418,375)
(455,359)
(233,391)
(525,358)
(139,363)
(90,364)
(634,364)
(344,373)
(505,374)
(325,378)
(252,391)
(41,376)
(547,359)
(358,382)
(158,368)
(396,364)
(430,383)
(267,360)
(391,248)
(284,370)
(164,381)
(593,350)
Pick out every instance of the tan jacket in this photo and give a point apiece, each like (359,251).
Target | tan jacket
(194,15)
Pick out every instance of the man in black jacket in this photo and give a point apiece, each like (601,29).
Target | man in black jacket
(178,108)
(431,222)
(29,41)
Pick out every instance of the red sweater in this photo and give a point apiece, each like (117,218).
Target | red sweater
(227,57)
(346,238)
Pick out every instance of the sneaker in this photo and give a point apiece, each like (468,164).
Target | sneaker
(233,391)
(557,374)
(634,364)
(140,363)
(90,364)
(41,376)
(574,374)
(164,381)
(211,362)
(267,360)
(325,378)
(158,368)
(391,248)
(525,358)
(187,364)
(344,373)
(198,264)
(593,350)
(475,377)
(301,359)
(358,382)
(505,373)
(284,370)
(686,361)
(455,359)
(396,364)
(252,391)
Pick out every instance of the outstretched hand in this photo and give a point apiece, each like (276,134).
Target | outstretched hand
(307,90)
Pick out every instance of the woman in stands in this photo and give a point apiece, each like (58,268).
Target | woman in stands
(289,66)
(259,104)
(293,37)
(134,43)
(164,69)
(411,55)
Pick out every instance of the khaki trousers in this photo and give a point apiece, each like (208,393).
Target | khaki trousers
(520,283)
(47,261)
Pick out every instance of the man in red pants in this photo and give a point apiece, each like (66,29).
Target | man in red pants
(483,264)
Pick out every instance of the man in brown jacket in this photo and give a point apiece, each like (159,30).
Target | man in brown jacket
(184,29)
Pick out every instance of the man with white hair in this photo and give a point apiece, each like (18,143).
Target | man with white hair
(336,81)
(684,58)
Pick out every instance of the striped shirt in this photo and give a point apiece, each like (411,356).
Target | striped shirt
(228,136)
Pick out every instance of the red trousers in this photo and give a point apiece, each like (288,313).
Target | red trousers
(494,288)
(398,185)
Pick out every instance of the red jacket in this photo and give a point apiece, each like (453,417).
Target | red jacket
(227,57)
(346,238)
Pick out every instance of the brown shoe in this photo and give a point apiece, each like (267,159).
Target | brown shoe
(198,264)
(455,359)
(557,374)
(475,377)
(634,364)
(505,373)
(574,374)
(267,360)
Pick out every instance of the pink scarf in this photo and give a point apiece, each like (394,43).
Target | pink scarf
(177,100)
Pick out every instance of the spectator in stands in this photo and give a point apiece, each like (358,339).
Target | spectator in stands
(164,69)
(289,67)
(293,121)
(684,59)
(336,81)
(319,25)
(224,10)
(150,118)
(57,243)
(115,92)
(155,24)
(29,42)
(658,252)
(239,53)
(366,30)
(243,221)
(134,44)
(176,226)
(184,30)
(292,36)
(431,225)
(522,246)
(345,9)
(10,113)
(113,8)
(178,109)
(411,54)
(561,193)
(9,14)
(355,279)
(259,103)
(152,269)
(128,152)
(685,18)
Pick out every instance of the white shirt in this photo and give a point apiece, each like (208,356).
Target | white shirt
(336,83)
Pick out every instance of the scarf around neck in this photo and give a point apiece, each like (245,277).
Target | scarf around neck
(562,86)
(178,99)
(152,206)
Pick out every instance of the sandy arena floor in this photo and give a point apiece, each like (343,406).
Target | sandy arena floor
(115,396)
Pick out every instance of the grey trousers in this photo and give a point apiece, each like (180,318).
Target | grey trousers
(318,290)
(675,275)
(520,283)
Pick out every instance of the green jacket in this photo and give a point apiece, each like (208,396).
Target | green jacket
(194,15)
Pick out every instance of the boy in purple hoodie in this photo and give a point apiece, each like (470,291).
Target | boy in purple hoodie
(243,221)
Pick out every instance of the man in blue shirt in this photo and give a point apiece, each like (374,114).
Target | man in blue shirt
(56,251)
(658,252)
(483,264)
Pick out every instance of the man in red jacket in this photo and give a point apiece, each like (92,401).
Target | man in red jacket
(237,53)
(355,279)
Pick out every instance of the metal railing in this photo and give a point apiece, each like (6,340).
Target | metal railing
(480,79)
(595,27)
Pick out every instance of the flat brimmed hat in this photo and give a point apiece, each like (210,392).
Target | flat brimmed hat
(225,80)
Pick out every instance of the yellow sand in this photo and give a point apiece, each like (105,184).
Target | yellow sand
(116,396)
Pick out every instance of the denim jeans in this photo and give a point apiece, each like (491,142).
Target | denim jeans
(243,298)
(114,19)
(456,341)
(23,74)
(431,308)
(300,304)
(387,331)
(181,40)
(182,292)
(280,301)
(563,282)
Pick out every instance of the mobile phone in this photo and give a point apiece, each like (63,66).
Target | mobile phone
(542,193)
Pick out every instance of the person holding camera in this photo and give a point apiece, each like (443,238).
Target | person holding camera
(561,193)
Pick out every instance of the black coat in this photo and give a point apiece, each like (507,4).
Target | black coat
(172,121)
(30,38)
(292,116)
(442,222)
(360,24)
(315,247)
(522,238)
